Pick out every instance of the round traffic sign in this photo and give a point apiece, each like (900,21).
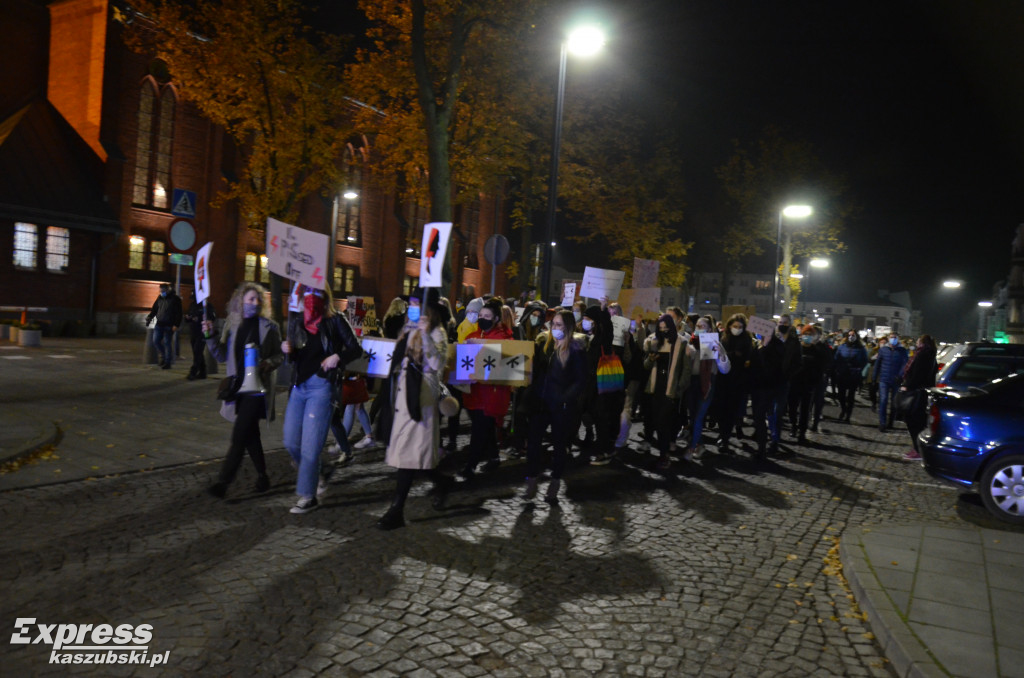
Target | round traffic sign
(182,235)
(496,249)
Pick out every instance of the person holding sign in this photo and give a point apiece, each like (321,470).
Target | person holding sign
(249,337)
(486,403)
(415,434)
(319,346)
(559,373)
(669,362)
(708,361)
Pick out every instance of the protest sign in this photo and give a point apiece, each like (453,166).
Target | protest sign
(362,314)
(620,329)
(645,272)
(297,254)
(202,272)
(568,293)
(599,283)
(432,253)
(644,302)
(707,340)
(294,300)
(501,363)
(376,358)
(760,326)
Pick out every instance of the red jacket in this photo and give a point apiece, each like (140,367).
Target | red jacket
(493,400)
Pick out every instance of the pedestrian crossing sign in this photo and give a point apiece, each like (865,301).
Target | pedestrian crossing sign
(184,203)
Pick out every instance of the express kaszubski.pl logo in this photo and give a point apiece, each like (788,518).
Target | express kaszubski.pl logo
(89,643)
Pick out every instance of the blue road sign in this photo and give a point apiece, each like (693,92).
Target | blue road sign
(184,203)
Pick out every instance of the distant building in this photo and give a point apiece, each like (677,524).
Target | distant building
(96,147)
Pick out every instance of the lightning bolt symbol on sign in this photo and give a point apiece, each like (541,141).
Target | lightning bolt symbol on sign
(316,275)
(273,243)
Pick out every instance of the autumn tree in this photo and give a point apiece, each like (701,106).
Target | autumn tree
(253,68)
(760,180)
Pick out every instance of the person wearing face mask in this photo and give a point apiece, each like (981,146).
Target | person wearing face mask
(530,328)
(826,356)
(559,373)
(469,324)
(577,313)
(167,311)
(702,385)
(780,363)
(851,357)
(668,362)
(805,384)
(734,386)
(888,368)
(319,345)
(602,410)
(248,323)
(486,403)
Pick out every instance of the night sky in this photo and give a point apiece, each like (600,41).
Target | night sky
(920,104)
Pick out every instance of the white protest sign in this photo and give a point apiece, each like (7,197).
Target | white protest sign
(297,254)
(568,293)
(432,252)
(376,358)
(502,362)
(645,272)
(707,340)
(643,302)
(599,283)
(620,329)
(761,326)
(202,272)
(294,300)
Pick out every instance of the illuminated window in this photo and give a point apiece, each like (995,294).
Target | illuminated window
(250,266)
(409,285)
(344,279)
(26,242)
(348,213)
(157,261)
(58,247)
(415,217)
(264,270)
(136,252)
(155,118)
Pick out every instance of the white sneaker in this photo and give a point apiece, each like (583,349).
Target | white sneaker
(334,450)
(367,441)
(322,486)
(305,505)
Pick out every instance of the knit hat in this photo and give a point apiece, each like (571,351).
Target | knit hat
(593,312)
(475,305)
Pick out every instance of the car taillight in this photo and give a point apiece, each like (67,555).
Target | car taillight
(939,367)
(941,384)
(933,419)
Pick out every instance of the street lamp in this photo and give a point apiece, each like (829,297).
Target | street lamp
(583,41)
(792,212)
(951,284)
(817,262)
(983,307)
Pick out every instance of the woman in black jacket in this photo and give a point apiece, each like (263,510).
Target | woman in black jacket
(918,377)
(734,386)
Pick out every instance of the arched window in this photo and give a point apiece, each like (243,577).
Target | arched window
(348,227)
(152,183)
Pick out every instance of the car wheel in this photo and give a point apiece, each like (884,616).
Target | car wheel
(1002,488)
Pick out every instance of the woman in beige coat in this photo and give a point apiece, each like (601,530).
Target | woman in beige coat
(417,366)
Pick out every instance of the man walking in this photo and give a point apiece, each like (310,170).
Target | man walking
(167,311)
(888,370)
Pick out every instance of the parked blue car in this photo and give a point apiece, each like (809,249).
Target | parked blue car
(976,441)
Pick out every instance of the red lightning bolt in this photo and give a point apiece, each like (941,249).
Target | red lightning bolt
(316,275)
(273,243)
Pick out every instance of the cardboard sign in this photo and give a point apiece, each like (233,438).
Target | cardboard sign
(707,340)
(297,254)
(432,252)
(644,302)
(202,272)
(376,358)
(761,326)
(645,272)
(294,300)
(599,283)
(500,363)
(620,330)
(362,314)
(568,293)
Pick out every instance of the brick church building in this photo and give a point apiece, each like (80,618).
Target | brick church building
(96,143)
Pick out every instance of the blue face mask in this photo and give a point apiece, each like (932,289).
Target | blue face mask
(414,313)
(250,310)
(894,341)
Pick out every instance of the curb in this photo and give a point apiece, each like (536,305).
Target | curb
(52,439)
(909,658)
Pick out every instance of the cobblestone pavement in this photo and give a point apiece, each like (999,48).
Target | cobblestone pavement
(718,568)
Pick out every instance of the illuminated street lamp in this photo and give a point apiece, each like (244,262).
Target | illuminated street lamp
(951,284)
(790,212)
(817,262)
(584,41)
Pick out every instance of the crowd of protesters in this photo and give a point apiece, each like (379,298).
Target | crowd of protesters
(597,387)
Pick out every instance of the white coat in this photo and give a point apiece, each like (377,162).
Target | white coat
(414,444)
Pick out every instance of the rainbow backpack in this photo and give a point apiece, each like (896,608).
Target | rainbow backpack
(611,377)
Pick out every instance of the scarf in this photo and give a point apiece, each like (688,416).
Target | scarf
(312,312)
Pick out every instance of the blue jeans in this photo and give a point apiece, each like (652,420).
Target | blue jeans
(698,410)
(364,418)
(163,339)
(306,422)
(885,393)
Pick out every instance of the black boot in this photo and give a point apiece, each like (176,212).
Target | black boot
(391,520)
(551,496)
(262,483)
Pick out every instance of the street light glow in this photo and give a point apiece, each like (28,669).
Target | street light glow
(797,211)
(350,195)
(951,284)
(797,276)
(985,304)
(585,41)
(820,263)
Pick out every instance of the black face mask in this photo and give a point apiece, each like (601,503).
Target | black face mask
(783,329)
(485,323)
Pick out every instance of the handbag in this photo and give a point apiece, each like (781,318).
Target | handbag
(353,391)
(611,377)
(906,403)
(227,388)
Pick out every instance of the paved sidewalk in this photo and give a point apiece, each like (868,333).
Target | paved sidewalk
(942,598)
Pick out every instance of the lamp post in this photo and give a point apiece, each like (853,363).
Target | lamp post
(817,262)
(793,212)
(583,41)
(983,311)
